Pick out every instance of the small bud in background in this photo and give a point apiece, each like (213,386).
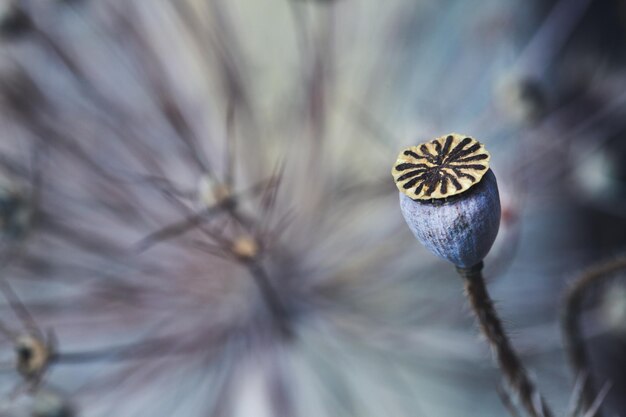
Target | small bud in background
(449,198)
(33,356)
(245,248)
(523,99)
(213,193)
(13,19)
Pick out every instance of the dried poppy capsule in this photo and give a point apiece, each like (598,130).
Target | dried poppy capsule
(449,197)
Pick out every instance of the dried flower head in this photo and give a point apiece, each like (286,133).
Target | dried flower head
(444,167)
(460,229)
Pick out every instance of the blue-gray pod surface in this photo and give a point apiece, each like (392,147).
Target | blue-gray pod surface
(462,228)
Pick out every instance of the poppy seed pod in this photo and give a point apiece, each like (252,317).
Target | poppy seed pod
(449,197)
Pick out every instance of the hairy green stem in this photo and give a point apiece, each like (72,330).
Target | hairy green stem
(506,357)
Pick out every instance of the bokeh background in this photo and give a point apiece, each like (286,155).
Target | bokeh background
(196,199)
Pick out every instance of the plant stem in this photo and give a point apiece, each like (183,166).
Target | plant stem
(507,359)
(572,330)
(273,300)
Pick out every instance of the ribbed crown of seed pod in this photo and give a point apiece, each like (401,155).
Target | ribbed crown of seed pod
(449,197)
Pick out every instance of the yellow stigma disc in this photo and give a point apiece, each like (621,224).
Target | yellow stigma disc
(443,167)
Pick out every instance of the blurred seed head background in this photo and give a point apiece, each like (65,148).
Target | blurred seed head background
(197,216)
